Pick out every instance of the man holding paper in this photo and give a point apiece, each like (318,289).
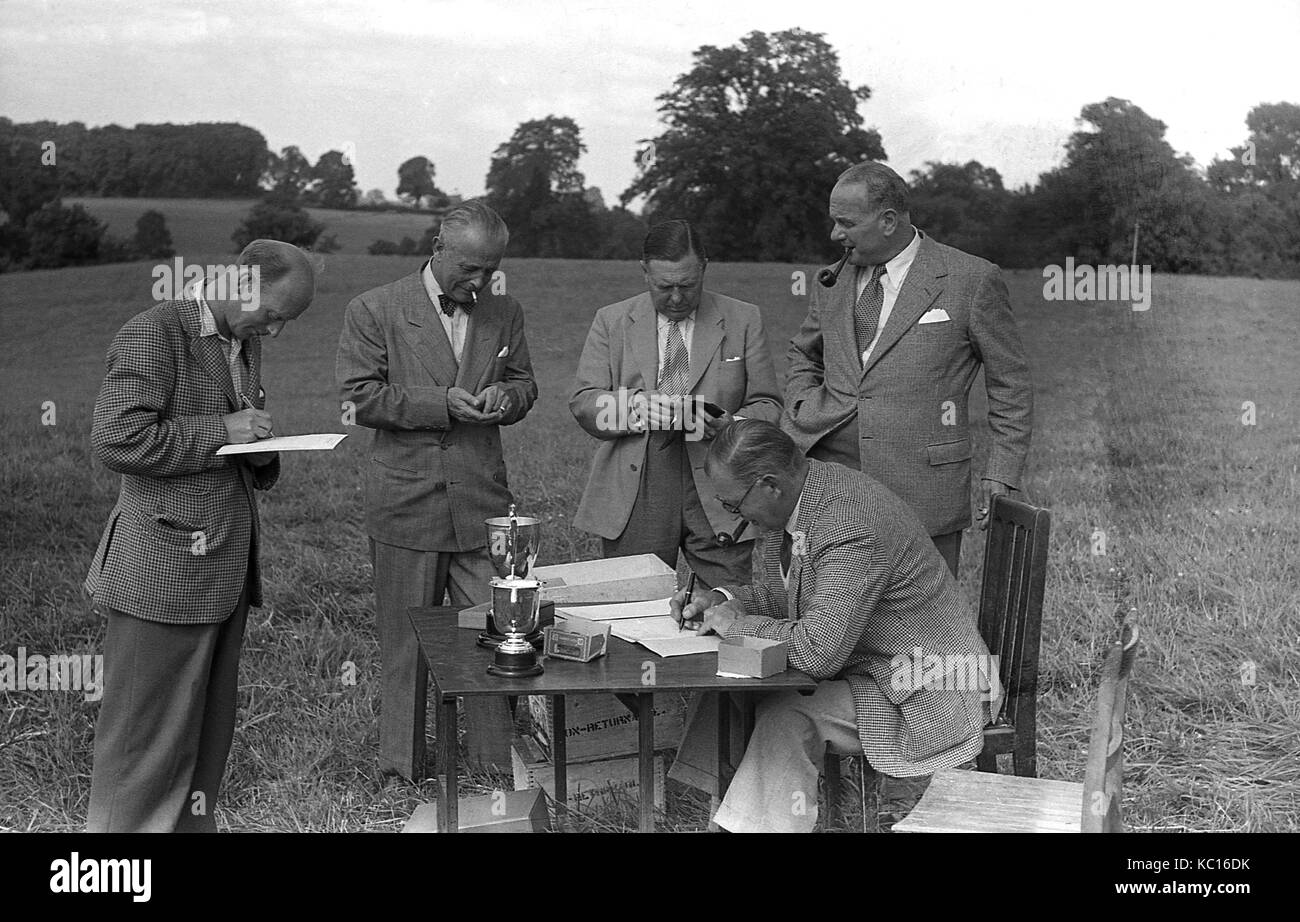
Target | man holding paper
(435,363)
(853,584)
(177,567)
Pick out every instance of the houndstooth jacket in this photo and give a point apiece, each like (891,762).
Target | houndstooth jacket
(869,599)
(184,532)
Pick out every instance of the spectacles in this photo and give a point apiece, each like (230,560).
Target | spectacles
(735,510)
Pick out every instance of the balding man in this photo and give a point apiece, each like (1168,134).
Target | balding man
(435,364)
(177,567)
(852,583)
(882,368)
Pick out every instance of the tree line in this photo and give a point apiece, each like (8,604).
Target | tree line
(753,137)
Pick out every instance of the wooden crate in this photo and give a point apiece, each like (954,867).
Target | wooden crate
(591,784)
(600,727)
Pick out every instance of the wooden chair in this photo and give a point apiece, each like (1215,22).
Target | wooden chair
(975,801)
(1010,621)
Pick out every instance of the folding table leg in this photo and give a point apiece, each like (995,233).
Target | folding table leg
(451,794)
(560,756)
(646,748)
(725,770)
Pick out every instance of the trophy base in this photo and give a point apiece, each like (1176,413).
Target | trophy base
(490,640)
(515,665)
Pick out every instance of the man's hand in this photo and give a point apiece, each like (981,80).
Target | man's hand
(713,424)
(719,618)
(247,426)
(988,490)
(662,411)
(691,611)
(495,401)
(463,405)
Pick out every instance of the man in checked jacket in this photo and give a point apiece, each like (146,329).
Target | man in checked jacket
(854,585)
(176,568)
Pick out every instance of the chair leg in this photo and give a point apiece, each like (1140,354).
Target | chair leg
(987,762)
(1024,760)
(831,776)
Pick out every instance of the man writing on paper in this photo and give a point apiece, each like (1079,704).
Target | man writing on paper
(177,567)
(435,364)
(882,368)
(649,365)
(852,582)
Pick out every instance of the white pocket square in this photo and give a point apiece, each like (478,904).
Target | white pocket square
(734,358)
(938,315)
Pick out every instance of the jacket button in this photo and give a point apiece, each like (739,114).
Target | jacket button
(443,445)
(633,466)
(440,485)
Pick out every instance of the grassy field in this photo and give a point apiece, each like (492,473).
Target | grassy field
(1138,434)
(205,225)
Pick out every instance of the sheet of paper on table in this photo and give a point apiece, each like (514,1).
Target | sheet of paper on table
(319,442)
(660,635)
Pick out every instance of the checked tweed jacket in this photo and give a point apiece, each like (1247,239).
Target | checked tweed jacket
(184,532)
(868,590)
(909,404)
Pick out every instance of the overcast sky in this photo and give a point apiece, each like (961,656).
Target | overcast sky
(999,82)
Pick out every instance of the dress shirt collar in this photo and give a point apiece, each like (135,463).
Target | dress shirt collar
(896,268)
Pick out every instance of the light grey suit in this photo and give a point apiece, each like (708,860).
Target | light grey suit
(431,481)
(903,418)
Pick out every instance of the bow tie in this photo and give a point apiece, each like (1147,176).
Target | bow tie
(449,306)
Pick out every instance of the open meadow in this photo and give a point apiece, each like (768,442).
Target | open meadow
(1138,435)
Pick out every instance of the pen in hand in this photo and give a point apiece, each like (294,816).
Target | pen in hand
(690,592)
(248,405)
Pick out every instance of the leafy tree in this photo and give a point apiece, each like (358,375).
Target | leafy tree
(961,205)
(375,198)
(278,218)
(415,182)
(333,184)
(25,182)
(152,239)
(288,174)
(382,248)
(60,236)
(756,135)
(534,184)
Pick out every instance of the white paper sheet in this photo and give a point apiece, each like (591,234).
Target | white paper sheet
(660,635)
(619,611)
(319,442)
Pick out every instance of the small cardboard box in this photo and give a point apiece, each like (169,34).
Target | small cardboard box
(615,579)
(598,726)
(500,811)
(476,618)
(577,638)
(756,657)
(591,784)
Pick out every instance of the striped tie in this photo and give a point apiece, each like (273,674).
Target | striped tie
(866,314)
(677,364)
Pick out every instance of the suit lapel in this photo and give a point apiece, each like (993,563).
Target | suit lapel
(645,340)
(710,327)
(922,286)
(842,300)
(424,332)
(809,504)
(207,351)
(253,381)
(480,337)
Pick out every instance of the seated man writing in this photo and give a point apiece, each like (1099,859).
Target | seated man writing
(855,586)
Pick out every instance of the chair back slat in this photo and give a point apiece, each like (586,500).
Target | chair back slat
(1103,778)
(1011,602)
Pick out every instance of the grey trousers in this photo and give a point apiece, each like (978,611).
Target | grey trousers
(165,723)
(405,578)
(667,515)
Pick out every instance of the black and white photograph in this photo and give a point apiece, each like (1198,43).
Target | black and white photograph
(611,417)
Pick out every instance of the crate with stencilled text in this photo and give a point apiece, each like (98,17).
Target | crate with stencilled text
(590,784)
(601,727)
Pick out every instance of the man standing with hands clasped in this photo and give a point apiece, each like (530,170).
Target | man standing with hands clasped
(435,364)
(177,567)
(882,368)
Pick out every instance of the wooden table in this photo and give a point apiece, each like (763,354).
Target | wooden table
(458,668)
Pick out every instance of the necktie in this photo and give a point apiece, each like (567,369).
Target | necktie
(449,306)
(677,363)
(787,545)
(866,313)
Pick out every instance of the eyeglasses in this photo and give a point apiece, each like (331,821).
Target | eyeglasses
(735,510)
